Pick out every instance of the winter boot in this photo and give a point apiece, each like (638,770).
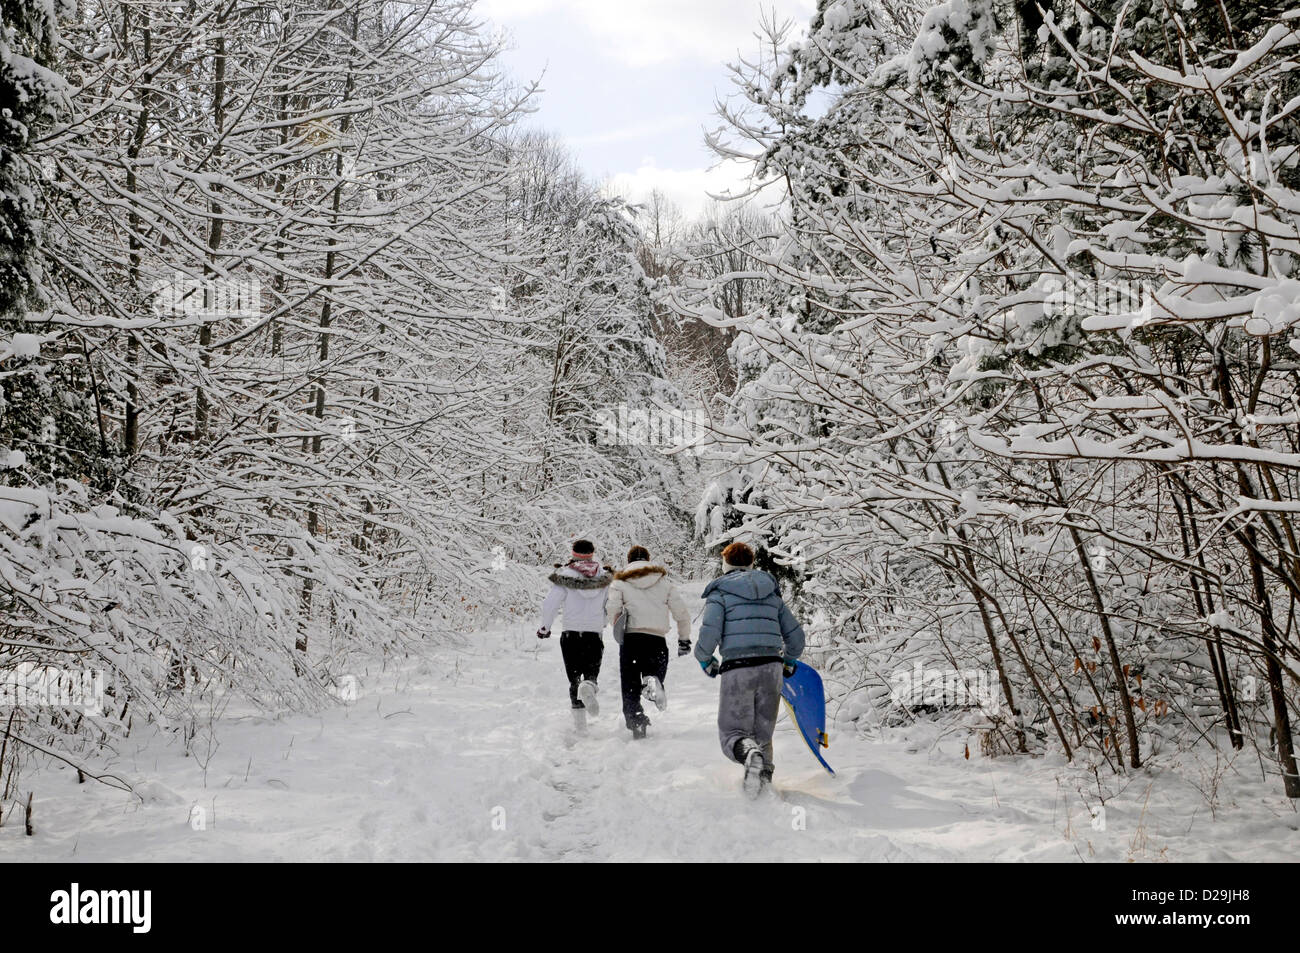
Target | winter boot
(653,690)
(750,754)
(580,719)
(638,729)
(587,695)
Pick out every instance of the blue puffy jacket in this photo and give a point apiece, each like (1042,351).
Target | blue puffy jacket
(745,617)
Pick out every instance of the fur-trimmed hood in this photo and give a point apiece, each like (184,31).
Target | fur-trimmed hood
(641,574)
(571,579)
(580,594)
(652,602)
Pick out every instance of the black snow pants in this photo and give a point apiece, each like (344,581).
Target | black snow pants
(582,653)
(640,654)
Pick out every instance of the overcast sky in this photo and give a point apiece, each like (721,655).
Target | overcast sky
(630,84)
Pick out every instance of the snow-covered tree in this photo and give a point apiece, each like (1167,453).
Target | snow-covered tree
(31,91)
(1019,373)
(335,380)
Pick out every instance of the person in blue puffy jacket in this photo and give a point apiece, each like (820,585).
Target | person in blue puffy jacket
(747,624)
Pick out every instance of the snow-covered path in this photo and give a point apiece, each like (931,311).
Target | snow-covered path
(471,755)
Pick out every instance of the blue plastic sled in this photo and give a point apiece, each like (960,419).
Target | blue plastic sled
(805,699)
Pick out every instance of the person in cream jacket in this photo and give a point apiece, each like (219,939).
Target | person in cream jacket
(653,604)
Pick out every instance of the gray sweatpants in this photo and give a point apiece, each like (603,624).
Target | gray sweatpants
(748,702)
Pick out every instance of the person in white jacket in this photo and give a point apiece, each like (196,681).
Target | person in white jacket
(579,590)
(652,604)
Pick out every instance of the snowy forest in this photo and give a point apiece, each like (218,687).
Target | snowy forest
(317,352)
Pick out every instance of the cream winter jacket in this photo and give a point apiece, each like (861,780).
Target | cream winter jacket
(650,598)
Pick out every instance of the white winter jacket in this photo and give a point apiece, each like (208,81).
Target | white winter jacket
(582,599)
(650,598)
